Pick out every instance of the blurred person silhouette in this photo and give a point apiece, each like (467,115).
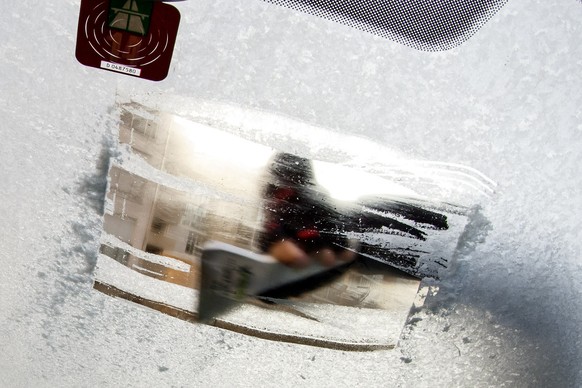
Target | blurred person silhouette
(303,223)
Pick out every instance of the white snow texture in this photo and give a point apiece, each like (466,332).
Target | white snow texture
(507,103)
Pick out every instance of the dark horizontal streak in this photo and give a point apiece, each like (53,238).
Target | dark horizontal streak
(193,318)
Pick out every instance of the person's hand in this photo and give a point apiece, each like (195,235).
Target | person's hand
(289,252)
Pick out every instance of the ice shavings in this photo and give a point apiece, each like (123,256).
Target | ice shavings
(112,273)
(340,327)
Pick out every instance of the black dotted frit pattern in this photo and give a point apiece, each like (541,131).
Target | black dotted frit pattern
(428,25)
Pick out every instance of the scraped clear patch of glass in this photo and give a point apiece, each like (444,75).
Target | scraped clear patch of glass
(205,224)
